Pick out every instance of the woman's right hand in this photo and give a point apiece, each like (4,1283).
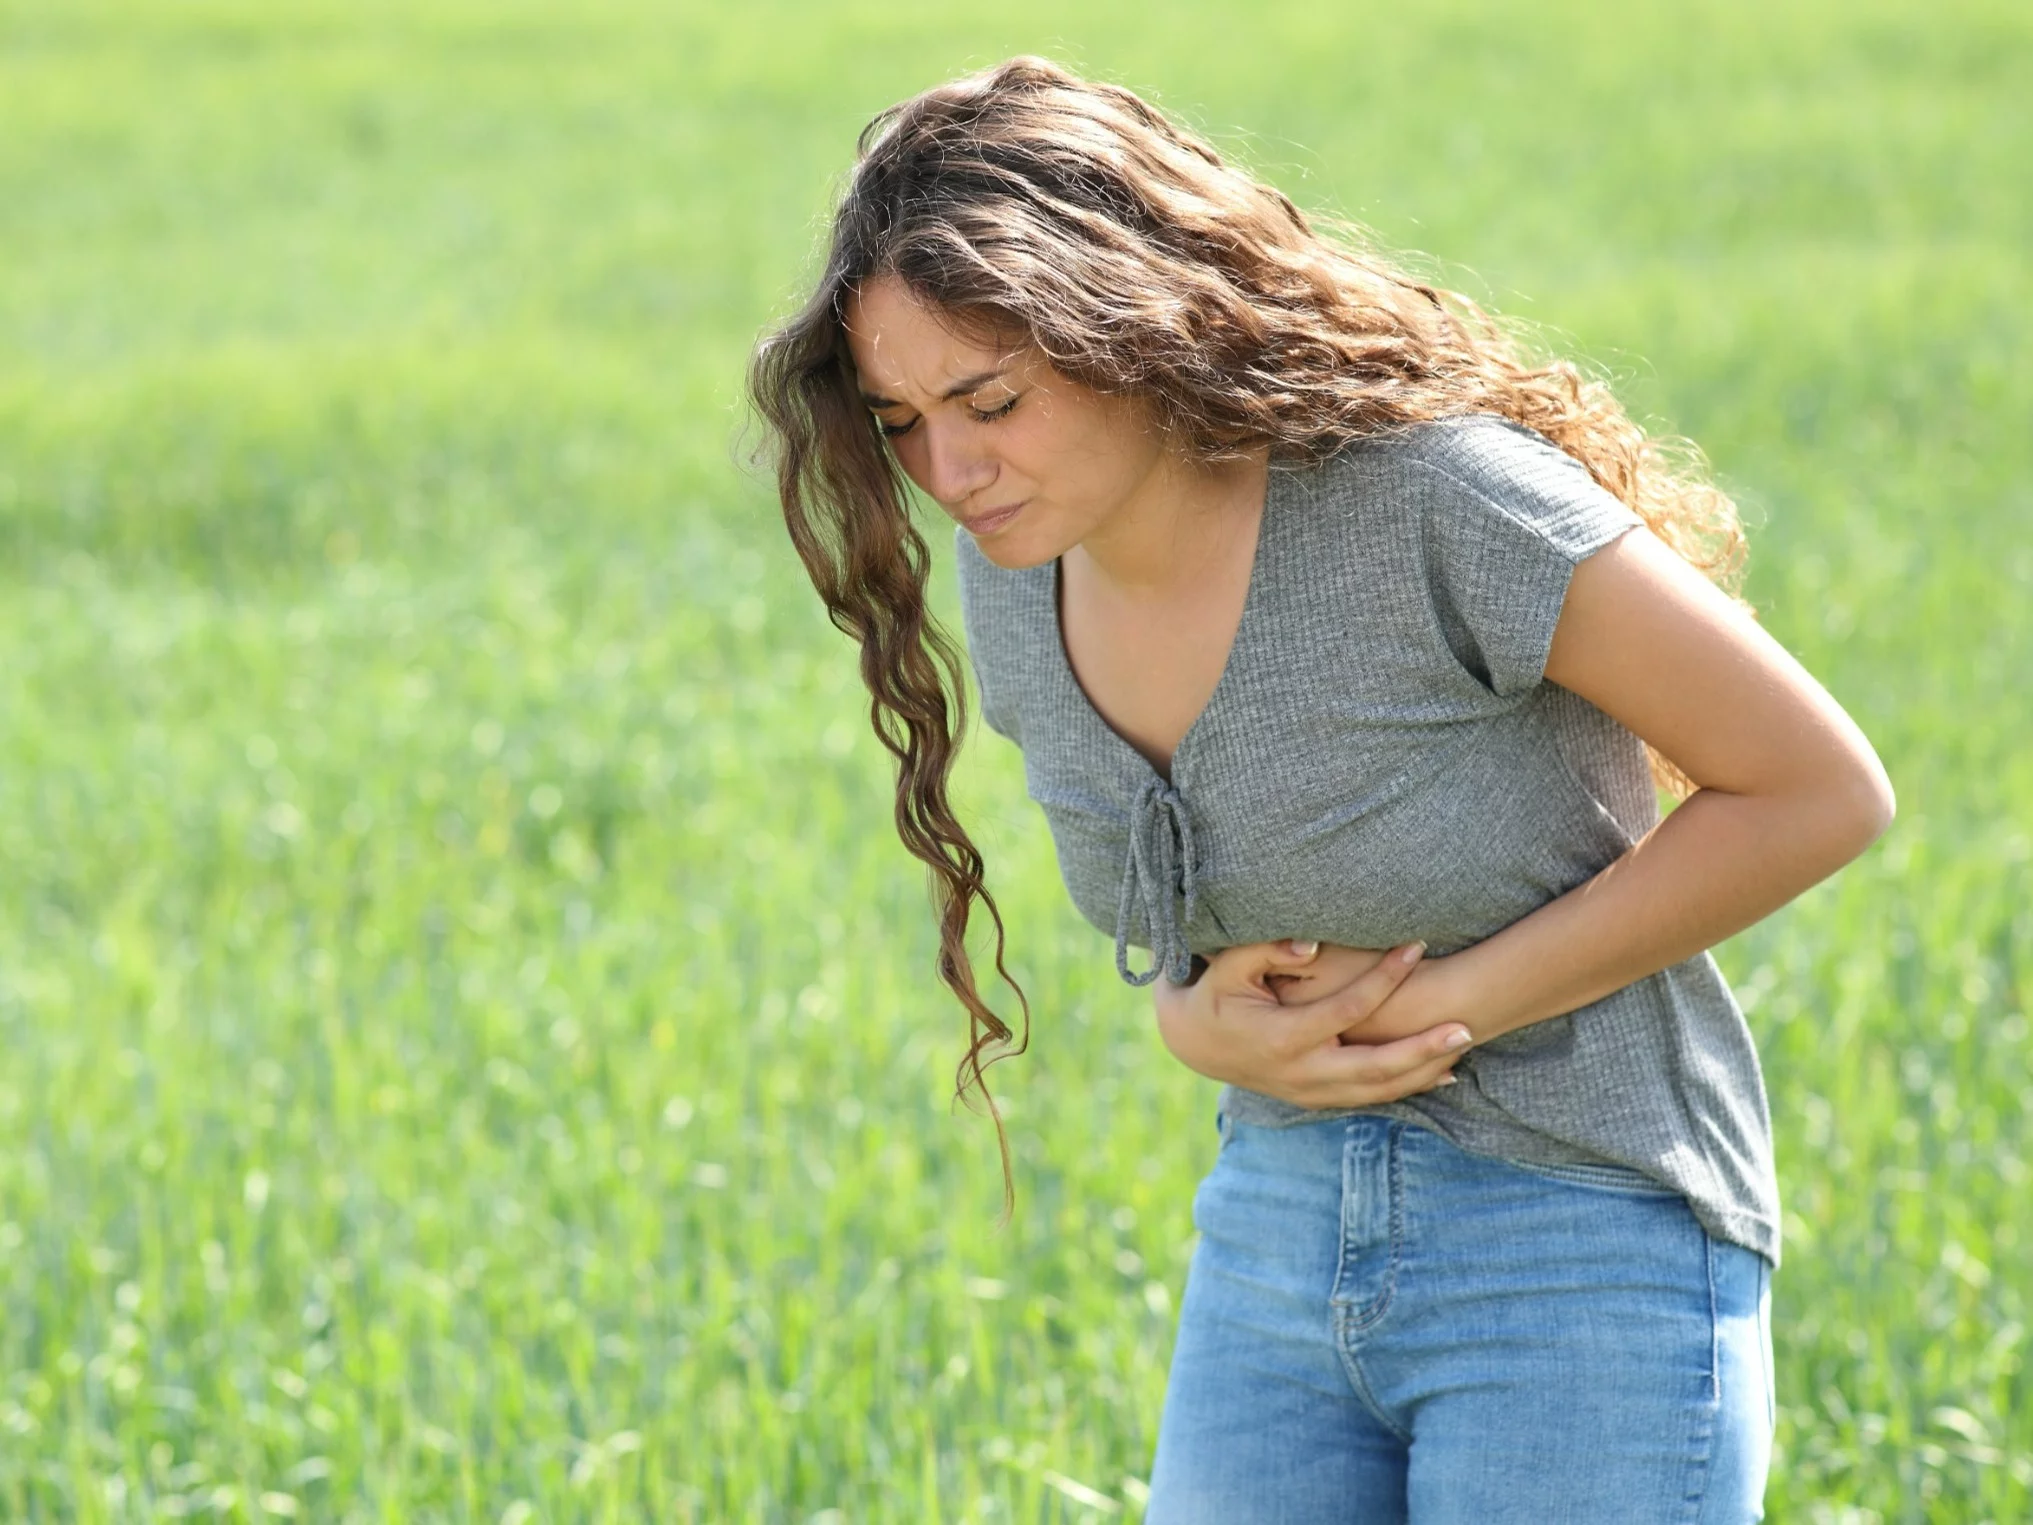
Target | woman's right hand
(1229,1026)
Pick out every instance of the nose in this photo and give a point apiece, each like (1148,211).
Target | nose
(956,467)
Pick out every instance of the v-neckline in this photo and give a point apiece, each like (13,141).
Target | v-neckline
(1252,596)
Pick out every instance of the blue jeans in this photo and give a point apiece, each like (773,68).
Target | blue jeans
(1381,1326)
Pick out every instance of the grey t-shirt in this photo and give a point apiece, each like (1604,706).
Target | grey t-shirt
(1383,760)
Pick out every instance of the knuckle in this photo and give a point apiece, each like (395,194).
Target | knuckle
(1369,1069)
(1347,1008)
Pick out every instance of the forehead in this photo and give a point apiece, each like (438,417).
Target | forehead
(906,350)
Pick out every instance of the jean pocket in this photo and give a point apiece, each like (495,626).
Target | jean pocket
(1604,1177)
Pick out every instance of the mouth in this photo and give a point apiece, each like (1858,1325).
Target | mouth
(993,520)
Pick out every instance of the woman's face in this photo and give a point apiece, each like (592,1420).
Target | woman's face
(1032,463)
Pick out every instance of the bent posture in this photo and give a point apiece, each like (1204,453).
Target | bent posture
(1344,645)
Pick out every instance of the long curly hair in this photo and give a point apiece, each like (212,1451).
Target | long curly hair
(1024,199)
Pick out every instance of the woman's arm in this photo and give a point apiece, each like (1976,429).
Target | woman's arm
(1789,791)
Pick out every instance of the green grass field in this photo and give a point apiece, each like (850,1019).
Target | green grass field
(468,1042)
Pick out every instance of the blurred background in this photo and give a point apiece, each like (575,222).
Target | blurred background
(469,1047)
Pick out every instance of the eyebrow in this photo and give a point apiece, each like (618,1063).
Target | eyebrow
(959,389)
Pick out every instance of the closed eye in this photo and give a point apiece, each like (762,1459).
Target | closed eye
(989,417)
(979,415)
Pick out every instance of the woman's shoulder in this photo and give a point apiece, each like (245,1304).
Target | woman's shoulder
(1478,452)
(1470,470)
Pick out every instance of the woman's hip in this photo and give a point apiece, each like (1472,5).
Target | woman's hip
(1508,1333)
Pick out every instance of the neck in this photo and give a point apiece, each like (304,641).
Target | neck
(1183,518)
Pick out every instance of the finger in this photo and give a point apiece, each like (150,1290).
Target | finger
(1437,1076)
(1292,953)
(1330,1014)
(1360,1075)
(1248,963)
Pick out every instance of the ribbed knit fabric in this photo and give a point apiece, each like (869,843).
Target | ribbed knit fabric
(1383,760)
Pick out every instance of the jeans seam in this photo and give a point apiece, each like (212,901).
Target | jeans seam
(1698,1492)
(1395,1191)
(1360,1383)
(1344,1323)
(1765,1346)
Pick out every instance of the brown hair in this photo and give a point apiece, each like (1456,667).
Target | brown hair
(1026,200)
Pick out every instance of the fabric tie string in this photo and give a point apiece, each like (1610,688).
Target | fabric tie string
(1161,868)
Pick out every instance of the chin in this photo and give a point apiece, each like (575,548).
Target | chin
(1019,557)
(1017,552)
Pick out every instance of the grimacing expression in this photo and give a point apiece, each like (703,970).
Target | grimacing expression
(1029,460)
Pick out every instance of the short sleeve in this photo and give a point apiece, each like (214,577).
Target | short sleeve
(1502,538)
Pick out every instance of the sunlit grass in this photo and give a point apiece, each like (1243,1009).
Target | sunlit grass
(471,1048)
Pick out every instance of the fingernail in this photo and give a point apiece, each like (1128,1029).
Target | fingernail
(1446,1080)
(1459,1038)
(1412,954)
(1303,949)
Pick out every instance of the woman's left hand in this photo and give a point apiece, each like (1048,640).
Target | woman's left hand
(1421,1001)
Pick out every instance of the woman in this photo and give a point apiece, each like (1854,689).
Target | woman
(1336,636)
